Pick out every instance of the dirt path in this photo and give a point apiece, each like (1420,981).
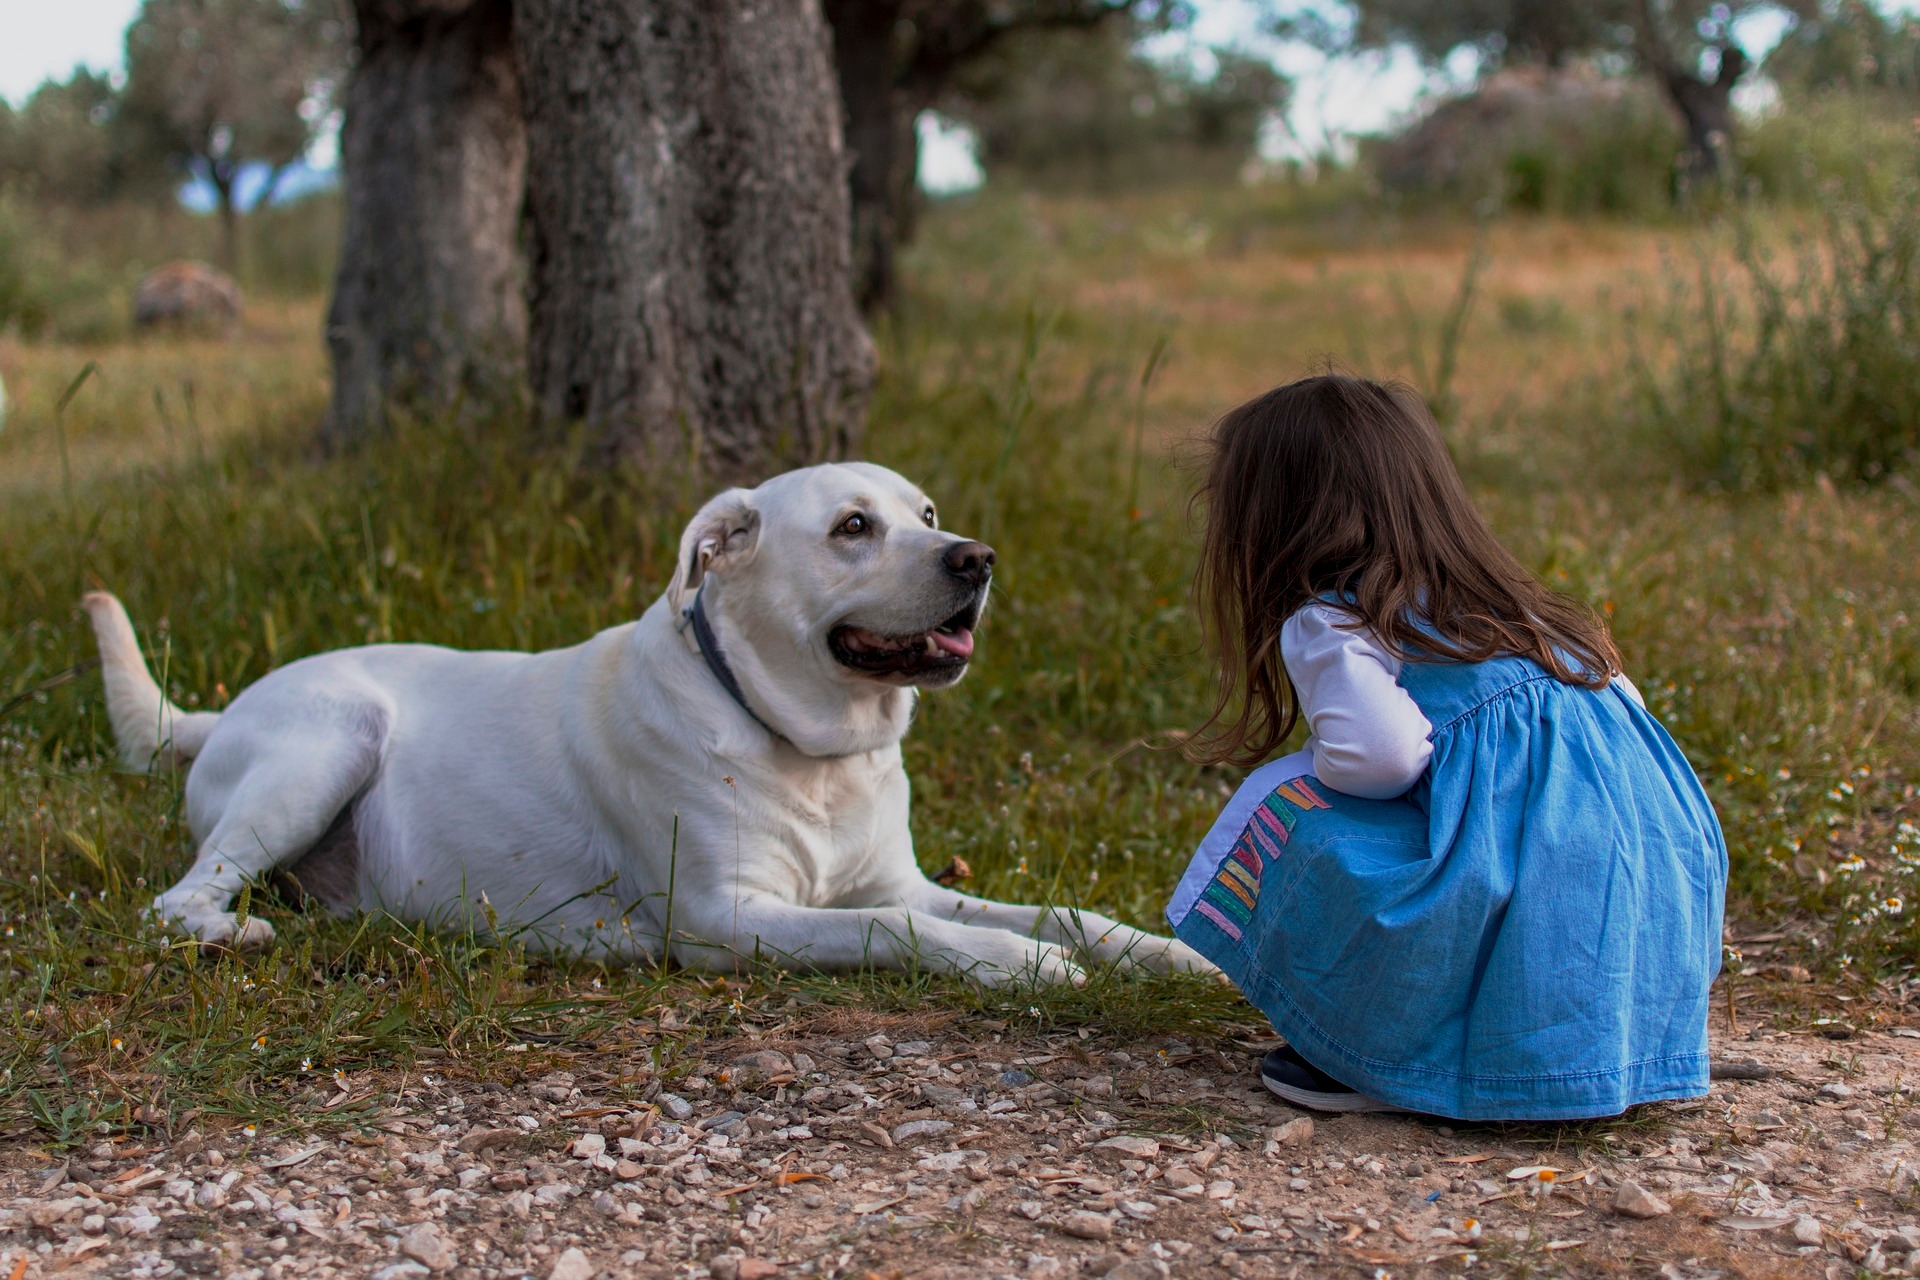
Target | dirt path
(888,1148)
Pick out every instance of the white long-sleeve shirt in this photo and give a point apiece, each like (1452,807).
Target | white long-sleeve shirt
(1368,736)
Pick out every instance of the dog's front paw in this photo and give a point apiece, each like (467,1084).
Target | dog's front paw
(1027,963)
(1129,949)
(1176,956)
(212,928)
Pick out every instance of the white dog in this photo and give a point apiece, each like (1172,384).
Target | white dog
(722,777)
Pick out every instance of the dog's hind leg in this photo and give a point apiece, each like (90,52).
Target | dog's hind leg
(271,796)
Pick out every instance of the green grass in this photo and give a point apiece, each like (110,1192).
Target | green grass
(1769,629)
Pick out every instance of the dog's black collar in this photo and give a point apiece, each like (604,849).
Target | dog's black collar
(709,646)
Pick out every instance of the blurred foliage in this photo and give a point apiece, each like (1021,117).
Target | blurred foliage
(67,274)
(1851,44)
(1087,109)
(73,142)
(1778,371)
(1569,142)
(1825,140)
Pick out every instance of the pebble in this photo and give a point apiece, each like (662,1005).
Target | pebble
(571,1265)
(1129,1145)
(1835,1089)
(425,1245)
(765,1062)
(1806,1229)
(400,1271)
(1632,1200)
(921,1129)
(588,1145)
(946,1098)
(676,1107)
(1294,1133)
(1087,1226)
(478,1140)
(732,1267)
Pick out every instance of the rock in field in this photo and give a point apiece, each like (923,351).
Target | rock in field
(185,293)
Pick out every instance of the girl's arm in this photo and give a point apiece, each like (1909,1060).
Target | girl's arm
(1369,737)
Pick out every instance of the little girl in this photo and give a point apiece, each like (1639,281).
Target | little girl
(1489,887)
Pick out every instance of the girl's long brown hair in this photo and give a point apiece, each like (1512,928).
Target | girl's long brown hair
(1340,485)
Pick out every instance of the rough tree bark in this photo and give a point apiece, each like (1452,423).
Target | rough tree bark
(688,275)
(427,302)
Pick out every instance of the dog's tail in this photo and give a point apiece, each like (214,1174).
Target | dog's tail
(148,729)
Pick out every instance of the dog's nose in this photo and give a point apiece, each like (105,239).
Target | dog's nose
(971,561)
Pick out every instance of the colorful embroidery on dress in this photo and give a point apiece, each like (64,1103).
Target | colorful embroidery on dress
(1230,896)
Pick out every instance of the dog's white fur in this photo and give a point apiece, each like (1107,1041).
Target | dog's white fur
(560,795)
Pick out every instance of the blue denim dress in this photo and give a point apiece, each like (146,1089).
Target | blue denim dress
(1528,934)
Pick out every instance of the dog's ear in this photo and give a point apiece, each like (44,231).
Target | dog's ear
(722,536)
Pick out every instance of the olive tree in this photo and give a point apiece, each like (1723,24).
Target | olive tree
(229,83)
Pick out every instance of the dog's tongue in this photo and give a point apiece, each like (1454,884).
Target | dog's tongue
(958,642)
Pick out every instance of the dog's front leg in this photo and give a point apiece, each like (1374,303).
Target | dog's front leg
(731,932)
(1088,933)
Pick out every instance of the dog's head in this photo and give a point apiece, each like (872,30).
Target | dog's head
(834,594)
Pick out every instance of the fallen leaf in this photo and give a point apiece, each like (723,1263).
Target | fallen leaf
(1565,1244)
(1746,1222)
(1475,1159)
(875,1206)
(724,1192)
(785,1179)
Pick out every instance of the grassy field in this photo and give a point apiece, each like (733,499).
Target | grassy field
(1045,381)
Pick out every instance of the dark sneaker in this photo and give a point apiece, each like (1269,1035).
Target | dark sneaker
(1293,1078)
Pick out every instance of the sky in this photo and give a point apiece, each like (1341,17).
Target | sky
(1332,99)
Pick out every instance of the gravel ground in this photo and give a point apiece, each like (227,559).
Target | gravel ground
(872,1146)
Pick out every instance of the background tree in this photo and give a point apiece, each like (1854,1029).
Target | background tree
(1850,44)
(688,274)
(1087,108)
(71,143)
(1687,46)
(896,58)
(228,83)
(427,301)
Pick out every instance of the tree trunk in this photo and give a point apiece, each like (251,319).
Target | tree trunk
(1706,107)
(689,285)
(222,179)
(864,55)
(427,305)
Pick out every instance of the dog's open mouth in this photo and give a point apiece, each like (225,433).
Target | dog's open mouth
(941,653)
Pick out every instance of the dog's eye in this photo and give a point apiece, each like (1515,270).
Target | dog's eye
(853,526)
(929,517)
